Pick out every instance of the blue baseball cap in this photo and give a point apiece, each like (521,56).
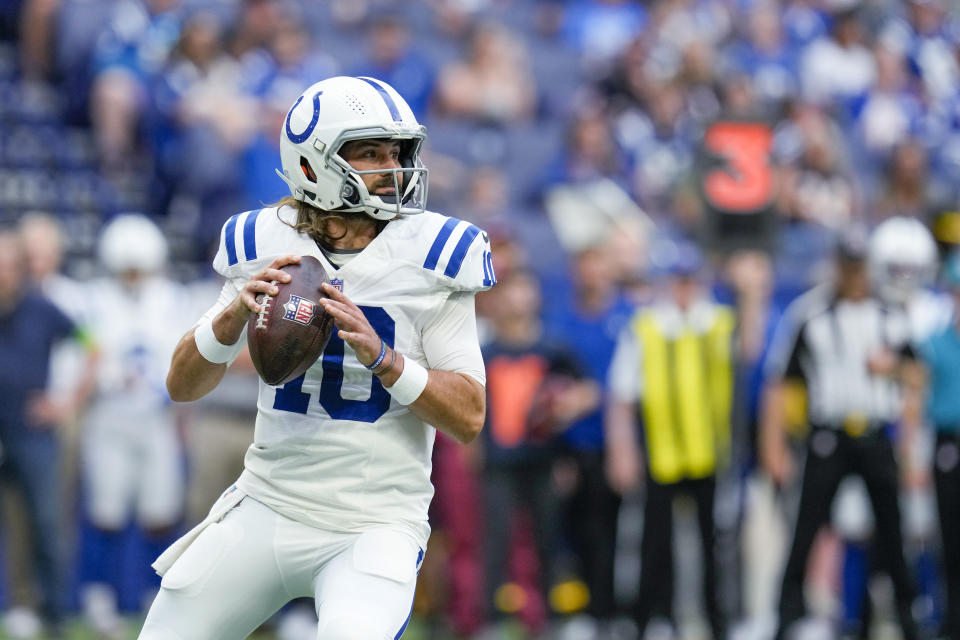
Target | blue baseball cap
(686,261)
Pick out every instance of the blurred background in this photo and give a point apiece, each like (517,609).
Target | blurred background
(607,146)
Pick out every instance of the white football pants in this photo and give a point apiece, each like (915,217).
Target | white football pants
(132,466)
(241,570)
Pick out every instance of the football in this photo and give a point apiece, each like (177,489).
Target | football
(293,329)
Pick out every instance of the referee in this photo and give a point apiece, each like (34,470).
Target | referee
(852,353)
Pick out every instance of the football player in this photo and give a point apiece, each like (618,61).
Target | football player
(332,503)
(131,454)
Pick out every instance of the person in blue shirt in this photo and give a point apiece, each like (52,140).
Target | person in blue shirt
(586,317)
(941,353)
(390,56)
(30,326)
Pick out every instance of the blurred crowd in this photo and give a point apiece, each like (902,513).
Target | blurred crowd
(683,164)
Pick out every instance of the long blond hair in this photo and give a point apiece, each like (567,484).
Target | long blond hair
(313,221)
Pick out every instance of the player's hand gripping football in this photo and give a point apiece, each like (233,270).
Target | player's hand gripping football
(262,282)
(353,327)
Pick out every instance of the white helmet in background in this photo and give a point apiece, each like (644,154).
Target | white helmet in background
(131,242)
(338,110)
(902,258)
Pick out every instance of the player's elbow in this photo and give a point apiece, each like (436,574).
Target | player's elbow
(473,421)
(178,391)
(471,429)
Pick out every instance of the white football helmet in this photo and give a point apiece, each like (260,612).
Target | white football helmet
(902,258)
(335,111)
(132,242)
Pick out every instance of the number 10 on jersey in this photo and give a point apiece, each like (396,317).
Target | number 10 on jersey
(291,397)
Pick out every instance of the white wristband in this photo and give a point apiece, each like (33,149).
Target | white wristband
(212,349)
(410,384)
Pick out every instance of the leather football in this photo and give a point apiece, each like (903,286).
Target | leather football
(292,330)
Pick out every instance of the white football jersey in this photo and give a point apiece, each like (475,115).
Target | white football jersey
(136,332)
(332,448)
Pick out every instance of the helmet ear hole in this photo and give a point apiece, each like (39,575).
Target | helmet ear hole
(308,171)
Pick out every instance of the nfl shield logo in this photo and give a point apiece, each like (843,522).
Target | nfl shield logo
(298,310)
(337,284)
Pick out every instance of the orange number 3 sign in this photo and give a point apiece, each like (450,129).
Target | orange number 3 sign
(744,183)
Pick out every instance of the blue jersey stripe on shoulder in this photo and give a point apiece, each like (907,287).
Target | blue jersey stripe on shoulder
(230,239)
(460,251)
(250,235)
(437,247)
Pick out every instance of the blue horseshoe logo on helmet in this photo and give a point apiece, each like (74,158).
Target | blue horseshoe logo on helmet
(297,138)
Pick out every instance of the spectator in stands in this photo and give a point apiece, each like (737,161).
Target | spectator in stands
(535,390)
(602,29)
(79,26)
(132,48)
(766,56)
(586,316)
(251,31)
(661,152)
(391,58)
(908,188)
(493,83)
(294,59)
(30,326)
(803,22)
(591,151)
(889,112)
(815,194)
(627,84)
(837,67)
(678,24)
(198,79)
(674,366)
(926,34)
(818,189)
(700,80)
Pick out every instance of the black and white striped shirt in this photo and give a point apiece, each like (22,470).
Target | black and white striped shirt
(827,342)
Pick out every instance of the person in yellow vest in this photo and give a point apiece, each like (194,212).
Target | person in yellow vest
(672,374)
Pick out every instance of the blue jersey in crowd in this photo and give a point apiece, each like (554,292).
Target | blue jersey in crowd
(591,338)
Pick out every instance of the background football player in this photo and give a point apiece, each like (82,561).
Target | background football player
(131,454)
(333,500)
